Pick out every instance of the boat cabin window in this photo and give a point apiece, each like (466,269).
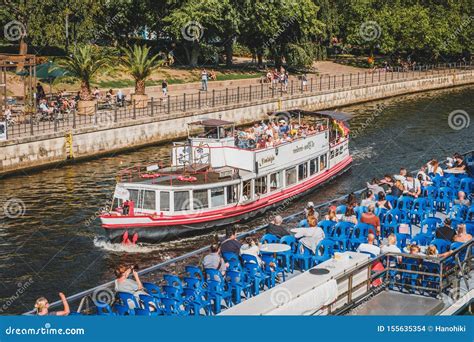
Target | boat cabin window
(232,193)
(164,201)
(261,185)
(217,197)
(276,181)
(313,166)
(181,200)
(324,161)
(133,195)
(200,199)
(291,176)
(302,171)
(149,200)
(332,154)
(247,190)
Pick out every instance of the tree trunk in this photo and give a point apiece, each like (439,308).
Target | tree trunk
(192,53)
(140,87)
(23,51)
(85,93)
(259,59)
(229,52)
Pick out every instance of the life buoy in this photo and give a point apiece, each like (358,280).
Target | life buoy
(187,179)
(148,175)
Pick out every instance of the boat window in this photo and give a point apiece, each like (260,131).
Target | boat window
(247,190)
(232,193)
(276,181)
(291,176)
(332,154)
(324,161)
(217,197)
(200,199)
(302,171)
(164,201)
(261,185)
(181,200)
(313,166)
(133,195)
(149,200)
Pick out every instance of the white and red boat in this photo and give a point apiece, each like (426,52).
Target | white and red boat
(212,183)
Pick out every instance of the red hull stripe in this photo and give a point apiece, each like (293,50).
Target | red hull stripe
(219,214)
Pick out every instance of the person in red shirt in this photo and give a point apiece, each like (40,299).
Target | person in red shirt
(370,218)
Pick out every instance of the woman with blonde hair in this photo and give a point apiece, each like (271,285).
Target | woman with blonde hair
(42,307)
(462,235)
(432,251)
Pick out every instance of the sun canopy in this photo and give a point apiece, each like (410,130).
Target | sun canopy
(212,123)
(340,116)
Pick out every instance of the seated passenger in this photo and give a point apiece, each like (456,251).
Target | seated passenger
(42,307)
(349,215)
(370,218)
(310,237)
(231,244)
(124,284)
(415,249)
(331,216)
(462,235)
(431,251)
(412,186)
(382,202)
(370,199)
(391,246)
(276,228)
(462,200)
(370,246)
(375,187)
(459,163)
(445,232)
(397,189)
(250,247)
(214,261)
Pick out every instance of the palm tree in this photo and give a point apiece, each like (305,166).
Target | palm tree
(83,65)
(139,63)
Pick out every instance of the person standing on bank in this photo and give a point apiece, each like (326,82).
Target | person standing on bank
(204,79)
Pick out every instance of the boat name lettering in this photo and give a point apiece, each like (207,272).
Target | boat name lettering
(266,160)
(308,146)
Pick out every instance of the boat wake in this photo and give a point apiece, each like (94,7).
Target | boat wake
(104,243)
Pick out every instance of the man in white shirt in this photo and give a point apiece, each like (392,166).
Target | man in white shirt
(369,200)
(391,247)
(413,186)
(370,246)
(310,237)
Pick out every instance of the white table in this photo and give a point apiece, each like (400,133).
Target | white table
(422,249)
(300,293)
(274,248)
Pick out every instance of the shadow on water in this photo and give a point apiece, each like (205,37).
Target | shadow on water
(54,242)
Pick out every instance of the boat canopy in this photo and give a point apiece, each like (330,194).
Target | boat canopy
(212,123)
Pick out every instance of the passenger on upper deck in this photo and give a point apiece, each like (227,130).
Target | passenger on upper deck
(231,244)
(412,186)
(349,215)
(124,284)
(391,245)
(370,246)
(42,307)
(276,228)
(370,199)
(382,202)
(462,200)
(375,187)
(432,251)
(251,247)
(331,215)
(445,232)
(214,261)
(459,163)
(370,218)
(462,235)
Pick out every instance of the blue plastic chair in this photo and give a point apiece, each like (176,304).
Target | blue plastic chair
(195,301)
(255,276)
(467,185)
(153,290)
(445,198)
(341,209)
(410,279)
(470,228)
(453,182)
(173,280)
(419,210)
(458,212)
(214,275)
(421,240)
(272,271)
(402,240)
(359,235)
(405,203)
(122,310)
(217,293)
(303,224)
(470,213)
(359,210)
(391,221)
(324,251)
(151,306)
(104,309)
(430,192)
(194,271)
(441,245)
(129,301)
(173,307)
(381,212)
(237,284)
(392,200)
(269,238)
(303,257)
(327,226)
(289,240)
(430,281)
(342,231)
(227,256)
(194,283)
(173,292)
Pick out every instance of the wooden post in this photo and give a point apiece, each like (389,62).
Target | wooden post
(184,102)
(250,93)
(226,96)
(199,100)
(115,113)
(169,103)
(238,94)
(73,118)
(261,91)
(152,104)
(31,122)
(134,110)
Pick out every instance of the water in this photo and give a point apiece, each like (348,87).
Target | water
(56,243)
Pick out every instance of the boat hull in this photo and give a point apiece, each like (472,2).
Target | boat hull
(149,229)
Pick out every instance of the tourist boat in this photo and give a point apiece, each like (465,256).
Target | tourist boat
(213,183)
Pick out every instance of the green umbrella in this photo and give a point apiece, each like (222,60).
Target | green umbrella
(49,72)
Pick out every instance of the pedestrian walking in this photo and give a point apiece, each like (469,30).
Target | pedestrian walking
(204,79)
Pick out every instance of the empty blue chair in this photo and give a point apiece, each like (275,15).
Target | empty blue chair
(430,280)
(303,257)
(193,283)
(256,277)
(237,284)
(470,213)
(104,309)
(341,209)
(327,226)
(359,235)
(122,310)
(152,290)
(421,240)
(381,212)
(173,307)
(392,200)
(405,203)
(444,199)
(303,224)
(402,240)
(391,221)
(324,251)
(173,292)
(453,182)
(430,192)
(173,280)
(467,185)
(286,256)
(458,212)
(151,306)
(129,301)
(470,228)
(438,181)
(341,235)
(441,245)
(194,271)
(217,293)
(419,210)
(410,279)
(214,275)
(269,238)
(195,301)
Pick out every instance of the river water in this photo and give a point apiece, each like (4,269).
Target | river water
(56,243)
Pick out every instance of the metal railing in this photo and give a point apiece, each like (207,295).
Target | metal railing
(176,106)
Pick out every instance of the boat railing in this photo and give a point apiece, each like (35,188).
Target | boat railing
(412,273)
